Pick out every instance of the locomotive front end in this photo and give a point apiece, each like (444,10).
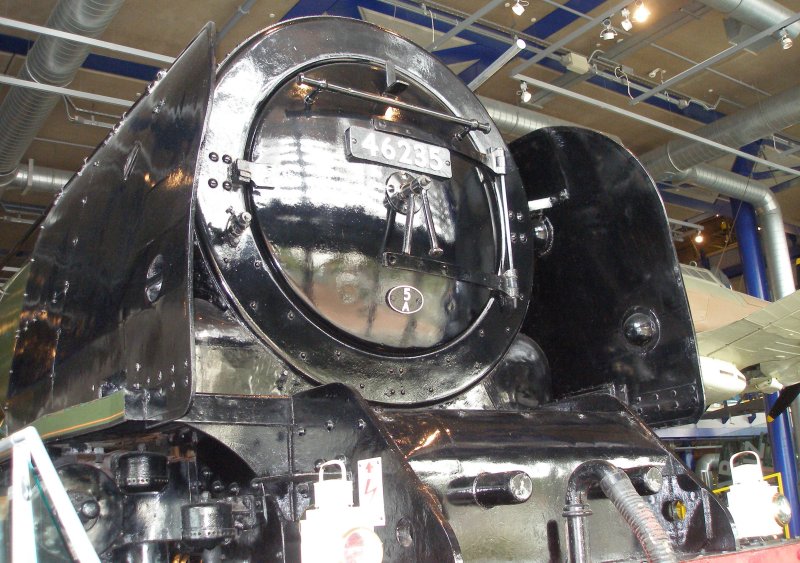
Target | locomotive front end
(277,316)
(360,209)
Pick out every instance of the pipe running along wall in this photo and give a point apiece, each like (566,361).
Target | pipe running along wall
(54,61)
(758,14)
(764,118)
(514,121)
(776,250)
(39,179)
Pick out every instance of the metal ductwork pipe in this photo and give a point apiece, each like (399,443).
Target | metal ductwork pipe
(764,118)
(758,14)
(54,61)
(773,236)
(514,121)
(39,179)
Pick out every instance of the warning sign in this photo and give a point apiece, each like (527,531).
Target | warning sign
(370,490)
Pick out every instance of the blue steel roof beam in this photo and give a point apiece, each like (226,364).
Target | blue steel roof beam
(102,63)
(591,24)
(716,58)
(558,19)
(91,41)
(631,45)
(305,8)
(463,24)
(495,42)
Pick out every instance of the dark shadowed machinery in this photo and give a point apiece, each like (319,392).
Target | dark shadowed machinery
(290,305)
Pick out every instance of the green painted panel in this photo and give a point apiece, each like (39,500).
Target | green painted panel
(10,308)
(100,413)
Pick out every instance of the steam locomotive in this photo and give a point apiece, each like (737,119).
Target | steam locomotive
(289,307)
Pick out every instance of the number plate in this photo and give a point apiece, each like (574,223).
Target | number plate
(401,152)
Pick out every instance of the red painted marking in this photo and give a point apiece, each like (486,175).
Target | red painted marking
(370,491)
(782,553)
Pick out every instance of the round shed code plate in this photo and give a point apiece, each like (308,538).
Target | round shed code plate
(405,299)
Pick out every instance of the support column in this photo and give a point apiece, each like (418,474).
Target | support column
(750,254)
(780,430)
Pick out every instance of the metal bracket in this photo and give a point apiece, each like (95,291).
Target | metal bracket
(510,283)
(394,85)
(505,283)
(260,175)
(495,159)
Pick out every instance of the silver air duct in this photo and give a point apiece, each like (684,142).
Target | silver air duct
(51,61)
(758,14)
(764,118)
(39,179)
(773,237)
(514,121)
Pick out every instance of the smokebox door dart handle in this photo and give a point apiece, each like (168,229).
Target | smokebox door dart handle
(409,230)
(435,250)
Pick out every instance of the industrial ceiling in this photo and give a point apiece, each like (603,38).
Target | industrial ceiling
(690,64)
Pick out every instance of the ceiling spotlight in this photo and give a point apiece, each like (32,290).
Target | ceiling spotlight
(519,7)
(523,93)
(786,41)
(608,32)
(626,24)
(641,13)
(699,238)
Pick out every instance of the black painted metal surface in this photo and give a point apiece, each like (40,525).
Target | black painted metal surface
(428,456)
(608,303)
(447,446)
(284,441)
(108,303)
(297,223)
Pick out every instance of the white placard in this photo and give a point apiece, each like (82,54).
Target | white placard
(370,490)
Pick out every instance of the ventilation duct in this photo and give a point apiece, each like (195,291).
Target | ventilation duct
(54,61)
(764,118)
(514,121)
(773,237)
(758,14)
(39,179)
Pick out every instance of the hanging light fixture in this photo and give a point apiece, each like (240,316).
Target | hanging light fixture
(519,7)
(699,238)
(608,33)
(626,24)
(786,41)
(640,13)
(523,93)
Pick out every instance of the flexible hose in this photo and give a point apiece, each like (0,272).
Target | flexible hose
(617,486)
(640,517)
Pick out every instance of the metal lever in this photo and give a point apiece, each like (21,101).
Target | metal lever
(403,199)
(435,250)
(412,204)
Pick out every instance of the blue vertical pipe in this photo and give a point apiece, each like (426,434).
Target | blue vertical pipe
(780,430)
(746,228)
